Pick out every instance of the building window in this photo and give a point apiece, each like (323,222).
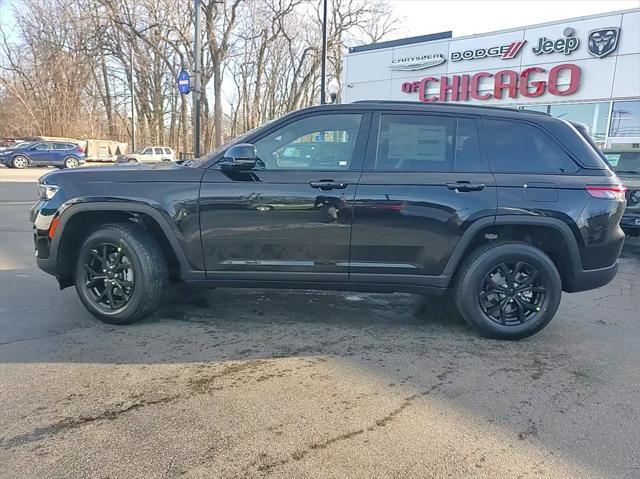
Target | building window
(594,115)
(542,108)
(625,119)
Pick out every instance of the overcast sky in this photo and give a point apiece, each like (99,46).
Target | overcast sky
(466,17)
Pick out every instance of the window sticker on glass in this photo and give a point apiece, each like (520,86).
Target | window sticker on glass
(426,142)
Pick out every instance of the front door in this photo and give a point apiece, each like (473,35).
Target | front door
(290,217)
(424,183)
(41,153)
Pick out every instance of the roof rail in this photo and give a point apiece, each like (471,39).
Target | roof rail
(457,105)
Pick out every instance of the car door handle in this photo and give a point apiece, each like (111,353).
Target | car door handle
(326,185)
(465,186)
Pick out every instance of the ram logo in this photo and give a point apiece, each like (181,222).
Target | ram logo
(603,41)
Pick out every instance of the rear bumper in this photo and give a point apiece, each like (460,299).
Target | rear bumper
(586,279)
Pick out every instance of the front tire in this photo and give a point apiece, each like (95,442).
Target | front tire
(19,162)
(121,275)
(508,290)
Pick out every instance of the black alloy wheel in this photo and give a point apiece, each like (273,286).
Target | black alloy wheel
(512,293)
(109,277)
(508,289)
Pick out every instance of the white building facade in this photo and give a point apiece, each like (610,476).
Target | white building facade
(583,69)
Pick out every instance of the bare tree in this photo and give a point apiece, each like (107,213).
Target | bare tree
(65,69)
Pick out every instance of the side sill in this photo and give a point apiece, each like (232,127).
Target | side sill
(331,286)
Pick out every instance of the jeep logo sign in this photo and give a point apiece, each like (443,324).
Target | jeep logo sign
(563,45)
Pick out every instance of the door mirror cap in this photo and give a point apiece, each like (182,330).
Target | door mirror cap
(242,156)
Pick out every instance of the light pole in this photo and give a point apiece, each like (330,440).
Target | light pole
(197,71)
(323,68)
(133,102)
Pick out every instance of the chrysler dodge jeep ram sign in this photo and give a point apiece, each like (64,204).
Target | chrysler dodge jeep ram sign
(503,51)
(417,63)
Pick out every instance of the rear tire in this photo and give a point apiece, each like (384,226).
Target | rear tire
(71,162)
(20,162)
(508,290)
(121,275)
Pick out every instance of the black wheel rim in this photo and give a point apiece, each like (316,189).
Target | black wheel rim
(108,276)
(512,293)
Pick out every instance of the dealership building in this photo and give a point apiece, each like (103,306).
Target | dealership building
(584,69)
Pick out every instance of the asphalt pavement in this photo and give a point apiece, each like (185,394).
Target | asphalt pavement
(300,384)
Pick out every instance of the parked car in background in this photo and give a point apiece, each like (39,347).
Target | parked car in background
(9,143)
(627,165)
(149,154)
(62,154)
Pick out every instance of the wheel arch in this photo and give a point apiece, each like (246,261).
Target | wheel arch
(553,236)
(78,220)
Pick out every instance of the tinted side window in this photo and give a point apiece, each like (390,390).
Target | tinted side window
(158,151)
(62,146)
(43,146)
(521,148)
(320,142)
(424,143)
(167,151)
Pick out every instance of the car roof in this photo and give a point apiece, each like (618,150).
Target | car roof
(456,108)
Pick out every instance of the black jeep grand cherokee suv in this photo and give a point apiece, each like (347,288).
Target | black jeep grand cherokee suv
(503,208)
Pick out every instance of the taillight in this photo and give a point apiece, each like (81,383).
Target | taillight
(610,192)
(81,148)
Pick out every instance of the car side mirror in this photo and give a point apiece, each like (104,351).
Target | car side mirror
(240,157)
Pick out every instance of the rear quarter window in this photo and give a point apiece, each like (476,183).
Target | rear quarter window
(518,147)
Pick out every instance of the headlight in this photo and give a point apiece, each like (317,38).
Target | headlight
(46,192)
(635,196)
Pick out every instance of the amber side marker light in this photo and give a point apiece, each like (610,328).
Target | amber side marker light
(607,192)
(52,228)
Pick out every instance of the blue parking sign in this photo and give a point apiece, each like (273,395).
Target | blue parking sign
(184,82)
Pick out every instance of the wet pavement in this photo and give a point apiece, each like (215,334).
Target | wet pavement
(267,383)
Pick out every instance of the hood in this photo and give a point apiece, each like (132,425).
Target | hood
(124,173)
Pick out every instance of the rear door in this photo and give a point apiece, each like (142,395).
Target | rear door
(290,217)
(425,181)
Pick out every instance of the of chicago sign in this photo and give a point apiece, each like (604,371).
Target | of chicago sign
(531,82)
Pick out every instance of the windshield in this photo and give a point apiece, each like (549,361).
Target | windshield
(625,163)
(20,146)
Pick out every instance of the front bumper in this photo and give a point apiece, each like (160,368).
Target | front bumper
(41,216)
